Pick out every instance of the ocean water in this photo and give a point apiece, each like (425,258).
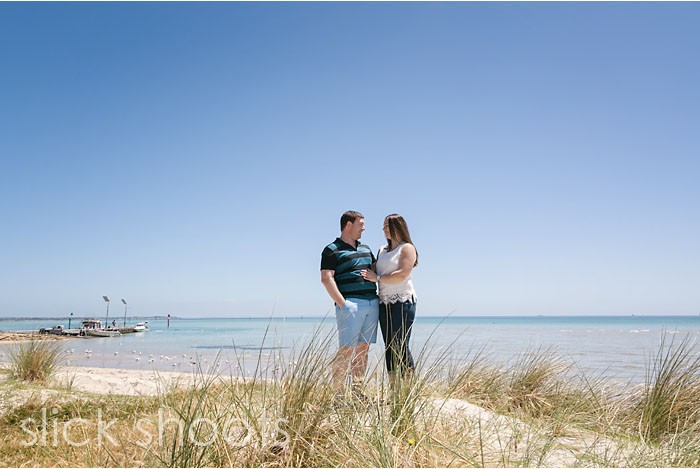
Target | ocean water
(616,347)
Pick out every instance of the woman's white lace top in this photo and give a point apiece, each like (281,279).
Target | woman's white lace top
(388,262)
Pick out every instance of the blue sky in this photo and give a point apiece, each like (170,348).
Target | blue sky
(194,159)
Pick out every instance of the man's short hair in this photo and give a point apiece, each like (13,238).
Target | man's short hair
(349,216)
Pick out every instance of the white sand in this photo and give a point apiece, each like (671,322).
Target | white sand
(120,381)
(16,337)
(503,434)
(96,381)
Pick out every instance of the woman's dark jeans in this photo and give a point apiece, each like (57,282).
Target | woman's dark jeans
(396,322)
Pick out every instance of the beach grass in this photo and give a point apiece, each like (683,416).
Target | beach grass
(670,400)
(34,360)
(539,410)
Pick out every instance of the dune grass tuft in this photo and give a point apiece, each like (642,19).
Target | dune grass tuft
(670,400)
(35,360)
(535,381)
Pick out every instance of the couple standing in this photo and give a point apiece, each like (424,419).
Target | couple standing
(350,273)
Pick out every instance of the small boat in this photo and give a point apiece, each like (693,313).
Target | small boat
(93,328)
(102,333)
(141,327)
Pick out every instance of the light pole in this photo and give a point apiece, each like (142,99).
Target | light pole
(69,319)
(106,317)
(124,301)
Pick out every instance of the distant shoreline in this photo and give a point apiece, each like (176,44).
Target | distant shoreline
(80,318)
(460,316)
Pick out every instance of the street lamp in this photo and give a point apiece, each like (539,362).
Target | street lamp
(124,301)
(106,317)
(69,319)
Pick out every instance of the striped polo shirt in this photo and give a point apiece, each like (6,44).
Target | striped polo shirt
(347,261)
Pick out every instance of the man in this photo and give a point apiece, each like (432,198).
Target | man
(356,301)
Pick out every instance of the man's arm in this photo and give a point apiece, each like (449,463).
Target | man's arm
(328,281)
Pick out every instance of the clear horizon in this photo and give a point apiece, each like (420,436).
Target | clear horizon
(195,158)
(476,316)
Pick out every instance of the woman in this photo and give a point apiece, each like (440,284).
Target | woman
(397,298)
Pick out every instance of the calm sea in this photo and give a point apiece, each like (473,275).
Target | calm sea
(617,347)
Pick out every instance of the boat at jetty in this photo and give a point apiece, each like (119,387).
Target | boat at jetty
(139,327)
(93,328)
(102,333)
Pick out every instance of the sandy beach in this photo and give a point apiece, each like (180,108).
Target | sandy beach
(122,382)
(73,381)
(529,413)
(6,337)
(497,429)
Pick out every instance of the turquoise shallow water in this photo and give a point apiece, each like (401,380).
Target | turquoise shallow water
(618,347)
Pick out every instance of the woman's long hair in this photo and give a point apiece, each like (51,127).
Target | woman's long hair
(398,229)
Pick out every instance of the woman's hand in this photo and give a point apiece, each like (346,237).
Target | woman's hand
(369,275)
